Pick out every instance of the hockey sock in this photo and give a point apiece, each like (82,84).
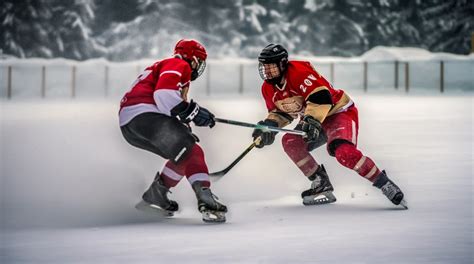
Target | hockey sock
(195,167)
(349,156)
(171,174)
(297,150)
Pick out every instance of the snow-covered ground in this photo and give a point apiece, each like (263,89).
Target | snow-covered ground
(69,183)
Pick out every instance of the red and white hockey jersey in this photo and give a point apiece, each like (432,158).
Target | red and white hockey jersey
(300,81)
(157,89)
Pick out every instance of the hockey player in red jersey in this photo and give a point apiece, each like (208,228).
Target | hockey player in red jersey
(295,90)
(155,115)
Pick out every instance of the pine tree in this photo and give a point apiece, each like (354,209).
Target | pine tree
(49,28)
(133,29)
(25,29)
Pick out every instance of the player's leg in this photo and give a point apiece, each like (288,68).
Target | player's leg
(342,132)
(299,152)
(197,173)
(163,135)
(147,131)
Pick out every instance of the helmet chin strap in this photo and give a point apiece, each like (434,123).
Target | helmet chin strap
(277,82)
(195,69)
(282,85)
(194,75)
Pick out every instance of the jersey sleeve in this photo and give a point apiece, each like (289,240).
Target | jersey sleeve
(316,93)
(172,85)
(310,81)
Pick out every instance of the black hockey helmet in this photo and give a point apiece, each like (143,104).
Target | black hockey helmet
(273,53)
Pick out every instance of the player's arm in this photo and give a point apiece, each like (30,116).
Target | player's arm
(171,80)
(274,118)
(280,118)
(170,98)
(318,103)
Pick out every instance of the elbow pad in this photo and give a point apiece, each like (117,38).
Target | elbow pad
(321,97)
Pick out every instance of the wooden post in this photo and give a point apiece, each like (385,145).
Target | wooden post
(472,42)
(332,73)
(43,81)
(208,81)
(106,80)
(365,76)
(73,82)
(241,79)
(441,78)
(396,75)
(9,83)
(407,77)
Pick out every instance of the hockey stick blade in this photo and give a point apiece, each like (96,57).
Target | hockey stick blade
(239,158)
(218,173)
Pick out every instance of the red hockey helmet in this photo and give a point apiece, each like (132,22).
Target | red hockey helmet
(193,52)
(188,48)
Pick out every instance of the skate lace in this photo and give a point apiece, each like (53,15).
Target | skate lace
(214,196)
(316,183)
(389,190)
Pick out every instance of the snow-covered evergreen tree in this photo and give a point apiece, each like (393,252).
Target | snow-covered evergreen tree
(133,29)
(49,28)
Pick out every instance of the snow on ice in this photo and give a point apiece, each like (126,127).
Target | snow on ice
(69,183)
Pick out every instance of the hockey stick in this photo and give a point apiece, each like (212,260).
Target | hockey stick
(262,127)
(240,157)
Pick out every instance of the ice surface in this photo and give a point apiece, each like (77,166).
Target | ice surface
(69,183)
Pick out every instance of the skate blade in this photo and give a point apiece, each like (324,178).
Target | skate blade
(322,198)
(404,204)
(213,217)
(151,208)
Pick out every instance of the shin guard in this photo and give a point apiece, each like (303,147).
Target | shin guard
(297,150)
(349,156)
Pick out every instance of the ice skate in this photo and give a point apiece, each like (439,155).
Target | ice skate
(211,209)
(390,189)
(155,199)
(321,191)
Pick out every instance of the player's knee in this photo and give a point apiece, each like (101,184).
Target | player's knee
(347,154)
(290,141)
(195,161)
(195,155)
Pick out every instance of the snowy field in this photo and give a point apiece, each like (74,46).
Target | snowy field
(69,183)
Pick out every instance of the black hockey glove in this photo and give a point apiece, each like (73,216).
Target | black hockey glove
(266,137)
(191,111)
(312,127)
